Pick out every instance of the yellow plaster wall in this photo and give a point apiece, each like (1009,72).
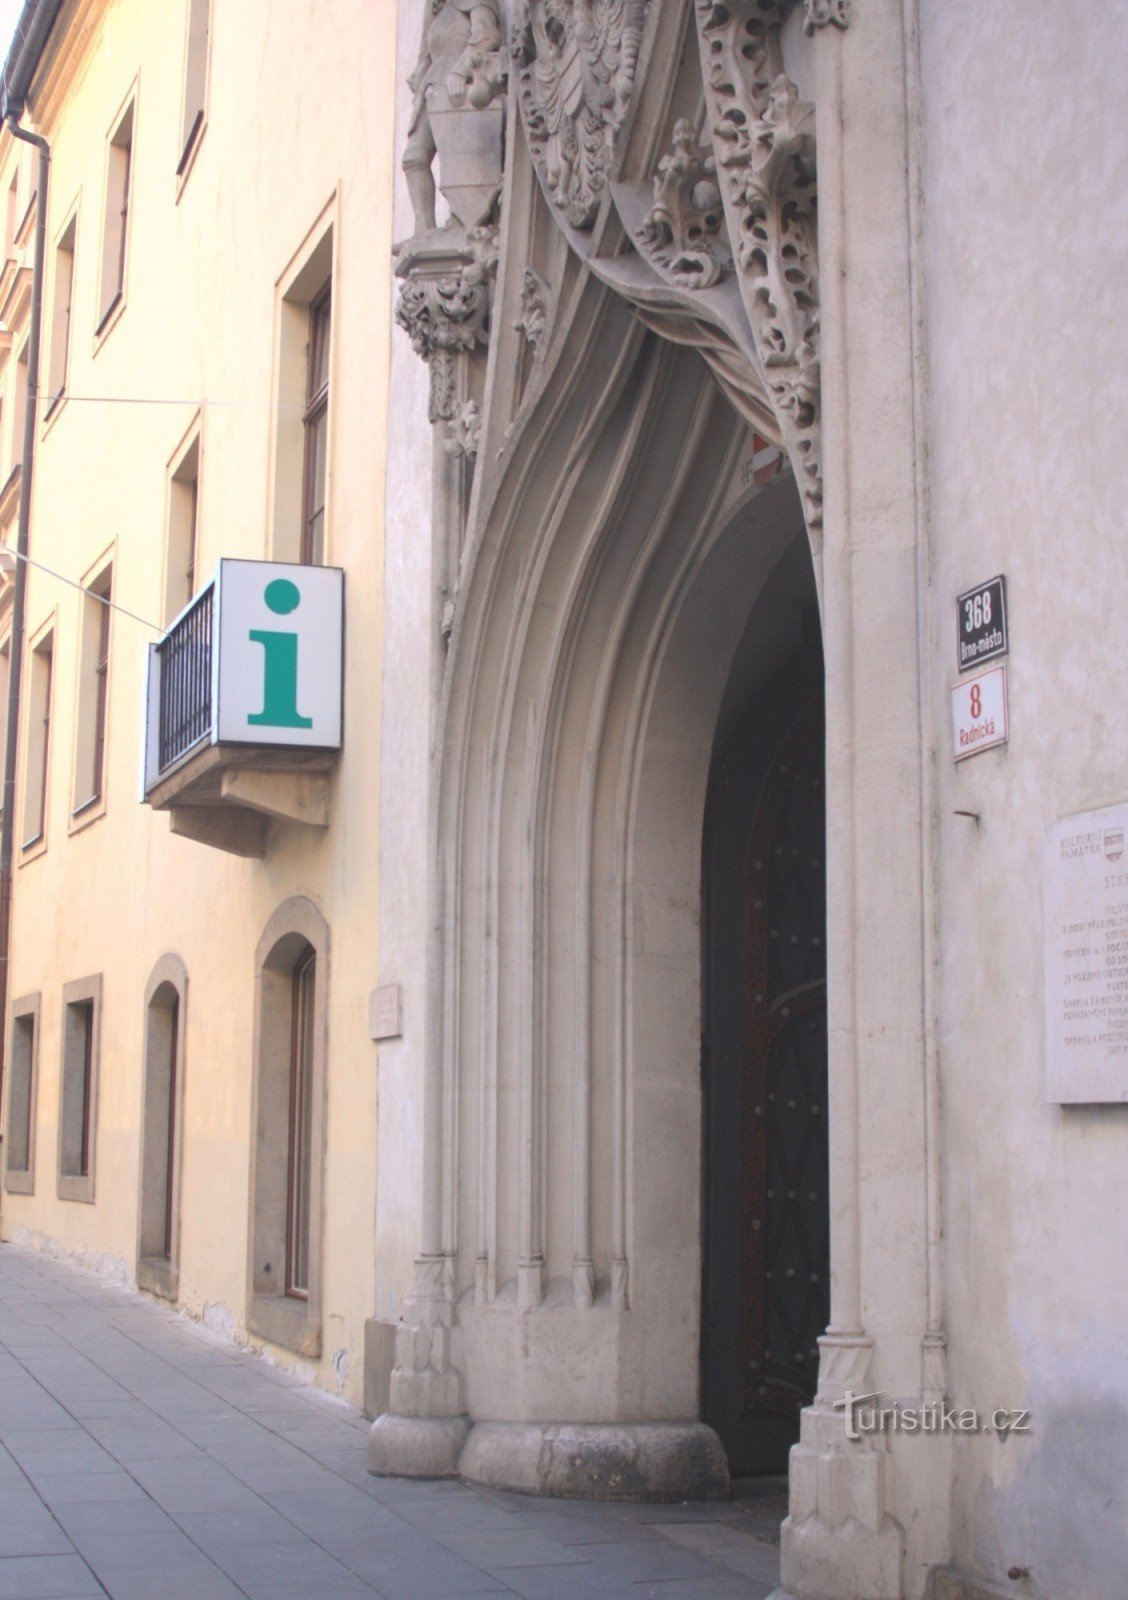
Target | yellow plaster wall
(299,128)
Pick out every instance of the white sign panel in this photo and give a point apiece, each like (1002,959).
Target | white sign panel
(1086,933)
(979,713)
(279,664)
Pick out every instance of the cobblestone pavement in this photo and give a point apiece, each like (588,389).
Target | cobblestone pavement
(144,1457)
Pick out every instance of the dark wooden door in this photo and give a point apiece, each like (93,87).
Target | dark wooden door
(766,1295)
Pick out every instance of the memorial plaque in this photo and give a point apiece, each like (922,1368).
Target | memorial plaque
(1086,933)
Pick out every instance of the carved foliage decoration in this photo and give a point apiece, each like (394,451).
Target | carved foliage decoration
(763,136)
(683,234)
(575,65)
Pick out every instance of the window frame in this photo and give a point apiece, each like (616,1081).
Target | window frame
(82,995)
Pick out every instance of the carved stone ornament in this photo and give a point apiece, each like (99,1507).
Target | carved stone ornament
(535,297)
(445,304)
(460,74)
(575,64)
(822,12)
(763,136)
(683,234)
(465,431)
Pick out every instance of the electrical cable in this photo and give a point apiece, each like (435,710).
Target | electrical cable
(41,566)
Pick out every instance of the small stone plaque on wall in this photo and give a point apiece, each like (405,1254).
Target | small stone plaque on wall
(385,1012)
(1086,934)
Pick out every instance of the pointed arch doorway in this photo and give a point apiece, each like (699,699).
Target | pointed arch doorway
(766,1271)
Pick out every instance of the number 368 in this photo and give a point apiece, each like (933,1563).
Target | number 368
(977,611)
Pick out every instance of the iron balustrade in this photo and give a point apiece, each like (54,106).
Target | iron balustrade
(186,680)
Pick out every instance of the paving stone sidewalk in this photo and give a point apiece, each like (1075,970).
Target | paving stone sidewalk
(146,1458)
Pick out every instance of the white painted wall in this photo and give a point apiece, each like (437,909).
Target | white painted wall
(1026,178)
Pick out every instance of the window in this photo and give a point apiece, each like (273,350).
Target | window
(315,423)
(22,1096)
(12,217)
(5,672)
(195,79)
(94,666)
(289,1121)
(19,408)
(38,741)
(158,1252)
(183,509)
(301,1125)
(302,490)
(115,232)
(61,314)
(78,1107)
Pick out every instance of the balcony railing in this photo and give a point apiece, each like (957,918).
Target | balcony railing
(185,696)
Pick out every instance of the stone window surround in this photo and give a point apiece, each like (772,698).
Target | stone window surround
(72,1185)
(156,1273)
(22,1180)
(286,1320)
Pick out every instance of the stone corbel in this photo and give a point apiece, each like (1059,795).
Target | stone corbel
(445,307)
(445,304)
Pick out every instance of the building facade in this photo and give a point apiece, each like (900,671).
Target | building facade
(678,1034)
(190,1081)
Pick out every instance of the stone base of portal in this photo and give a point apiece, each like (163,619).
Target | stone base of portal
(575,1460)
(416,1447)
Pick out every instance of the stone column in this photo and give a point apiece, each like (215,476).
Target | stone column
(448,275)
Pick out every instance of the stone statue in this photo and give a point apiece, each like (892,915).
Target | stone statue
(459,74)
